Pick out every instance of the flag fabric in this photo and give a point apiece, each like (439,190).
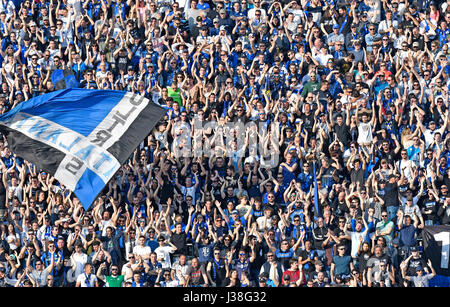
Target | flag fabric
(80,136)
(436,245)
(62,79)
(316,192)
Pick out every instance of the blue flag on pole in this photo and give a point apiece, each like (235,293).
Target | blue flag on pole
(316,192)
(80,136)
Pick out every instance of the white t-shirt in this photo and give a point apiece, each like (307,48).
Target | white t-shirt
(76,6)
(355,236)
(11,239)
(263,223)
(126,270)
(298,15)
(429,136)
(142,250)
(251,13)
(40,277)
(411,210)
(364,133)
(204,39)
(18,191)
(188,191)
(178,268)
(84,280)
(101,74)
(323,58)
(385,24)
(104,225)
(163,255)
(407,167)
(128,249)
(80,260)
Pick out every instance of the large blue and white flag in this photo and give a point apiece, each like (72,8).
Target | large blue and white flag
(80,136)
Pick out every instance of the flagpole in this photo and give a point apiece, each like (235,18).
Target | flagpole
(316,192)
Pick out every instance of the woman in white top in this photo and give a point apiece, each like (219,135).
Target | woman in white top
(13,237)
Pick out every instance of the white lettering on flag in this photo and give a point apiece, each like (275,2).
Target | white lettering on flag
(76,146)
(114,125)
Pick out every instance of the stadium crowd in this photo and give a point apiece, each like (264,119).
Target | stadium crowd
(352,101)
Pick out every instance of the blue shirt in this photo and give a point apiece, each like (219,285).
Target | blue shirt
(342,265)
(406,235)
(47,259)
(369,41)
(205,252)
(287,254)
(203,6)
(288,176)
(305,181)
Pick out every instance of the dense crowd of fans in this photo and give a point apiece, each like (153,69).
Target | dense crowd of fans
(354,93)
